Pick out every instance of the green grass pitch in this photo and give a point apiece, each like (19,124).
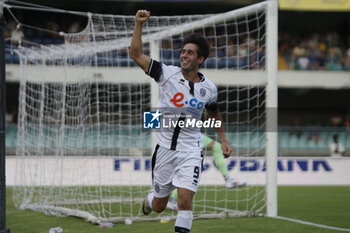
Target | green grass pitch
(322,205)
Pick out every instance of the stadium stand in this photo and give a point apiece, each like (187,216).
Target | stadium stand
(289,143)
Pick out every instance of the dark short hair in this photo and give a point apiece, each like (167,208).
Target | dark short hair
(200,41)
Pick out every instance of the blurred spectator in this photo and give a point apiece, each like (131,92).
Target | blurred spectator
(347,124)
(334,58)
(336,121)
(9,117)
(302,63)
(299,50)
(314,52)
(346,60)
(17,36)
(14,31)
(9,27)
(75,27)
(296,128)
(321,62)
(322,45)
(53,27)
(336,148)
(315,137)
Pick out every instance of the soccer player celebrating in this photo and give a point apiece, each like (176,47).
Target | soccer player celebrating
(177,159)
(215,148)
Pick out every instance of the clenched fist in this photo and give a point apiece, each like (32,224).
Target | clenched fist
(142,16)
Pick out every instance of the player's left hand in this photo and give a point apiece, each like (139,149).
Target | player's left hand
(226,149)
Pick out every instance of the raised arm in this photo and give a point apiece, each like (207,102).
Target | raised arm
(136,48)
(226,149)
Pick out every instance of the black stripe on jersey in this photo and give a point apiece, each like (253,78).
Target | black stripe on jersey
(191,84)
(213,107)
(155,70)
(181,230)
(202,164)
(154,158)
(176,133)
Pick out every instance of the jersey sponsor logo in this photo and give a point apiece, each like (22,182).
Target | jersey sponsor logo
(178,97)
(193,102)
(152,120)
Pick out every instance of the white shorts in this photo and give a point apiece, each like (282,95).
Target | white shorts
(175,169)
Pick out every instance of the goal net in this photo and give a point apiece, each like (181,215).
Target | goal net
(82,149)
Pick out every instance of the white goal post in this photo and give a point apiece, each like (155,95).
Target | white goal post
(82,150)
(272,106)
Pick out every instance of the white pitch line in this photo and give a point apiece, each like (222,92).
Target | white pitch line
(312,224)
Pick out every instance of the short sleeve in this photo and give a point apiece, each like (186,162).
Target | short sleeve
(161,72)
(155,70)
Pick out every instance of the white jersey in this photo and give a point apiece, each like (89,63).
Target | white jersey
(181,99)
(337,149)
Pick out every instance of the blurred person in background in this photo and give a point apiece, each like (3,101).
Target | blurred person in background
(17,35)
(336,120)
(9,117)
(346,60)
(337,149)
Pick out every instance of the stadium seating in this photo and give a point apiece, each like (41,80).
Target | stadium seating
(119,138)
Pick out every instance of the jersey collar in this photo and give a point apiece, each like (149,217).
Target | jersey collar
(201,76)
